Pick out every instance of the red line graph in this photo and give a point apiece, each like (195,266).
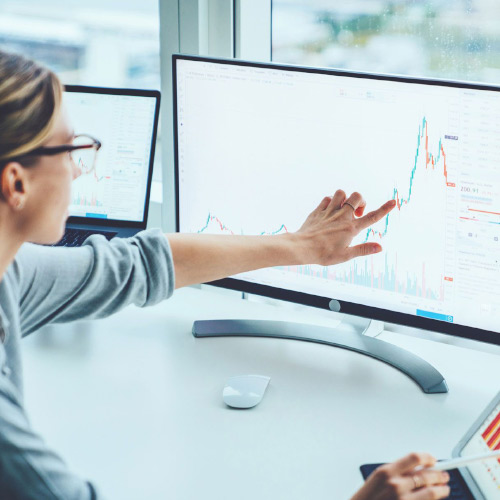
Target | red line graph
(483,211)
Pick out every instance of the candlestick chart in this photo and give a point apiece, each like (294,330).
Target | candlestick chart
(431,160)
(400,269)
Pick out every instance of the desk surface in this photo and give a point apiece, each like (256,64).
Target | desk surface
(134,403)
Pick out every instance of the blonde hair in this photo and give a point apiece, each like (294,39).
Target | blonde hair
(30,99)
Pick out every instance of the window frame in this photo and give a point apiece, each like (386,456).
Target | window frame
(218,28)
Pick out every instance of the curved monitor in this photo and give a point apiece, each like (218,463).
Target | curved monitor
(257,146)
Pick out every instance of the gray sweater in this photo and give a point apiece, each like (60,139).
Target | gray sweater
(56,285)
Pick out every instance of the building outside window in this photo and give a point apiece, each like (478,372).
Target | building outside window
(455,39)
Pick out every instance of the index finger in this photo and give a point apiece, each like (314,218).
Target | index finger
(408,463)
(371,218)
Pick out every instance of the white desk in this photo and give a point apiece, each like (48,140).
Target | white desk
(134,404)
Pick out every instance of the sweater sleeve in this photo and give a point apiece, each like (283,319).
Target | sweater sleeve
(29,470)
(93,281)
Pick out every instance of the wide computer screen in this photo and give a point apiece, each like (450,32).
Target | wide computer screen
(124,124)
(258,147)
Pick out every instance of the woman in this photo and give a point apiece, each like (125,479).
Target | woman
(41,284)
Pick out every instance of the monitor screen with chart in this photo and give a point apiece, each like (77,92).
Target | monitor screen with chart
(259,145)
(123,121)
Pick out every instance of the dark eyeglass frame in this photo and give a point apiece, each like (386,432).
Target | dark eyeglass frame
(64,148)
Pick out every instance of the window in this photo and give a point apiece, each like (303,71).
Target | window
(113,43)
(456,39)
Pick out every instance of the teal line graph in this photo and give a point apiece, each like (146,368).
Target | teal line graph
(431,160)
(223,227)
(361,273)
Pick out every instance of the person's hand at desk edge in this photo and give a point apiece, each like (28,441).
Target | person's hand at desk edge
(400,481)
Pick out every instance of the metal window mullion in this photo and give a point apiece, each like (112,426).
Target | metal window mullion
(220,17)
(194,27)
(253,30)
(169,44)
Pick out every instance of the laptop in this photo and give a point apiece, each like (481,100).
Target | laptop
(480,480)
(113,198)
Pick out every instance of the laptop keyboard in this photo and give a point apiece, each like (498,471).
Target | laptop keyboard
(76,237)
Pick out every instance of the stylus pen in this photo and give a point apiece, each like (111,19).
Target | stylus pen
(460,462)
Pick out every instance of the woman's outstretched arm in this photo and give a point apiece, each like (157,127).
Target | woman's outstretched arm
(324,238)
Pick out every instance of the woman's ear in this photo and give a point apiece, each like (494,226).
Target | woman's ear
(13,184)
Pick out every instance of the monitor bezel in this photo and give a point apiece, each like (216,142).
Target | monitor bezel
(321,302)
(98,221)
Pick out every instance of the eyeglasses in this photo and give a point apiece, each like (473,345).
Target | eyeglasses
(83,152)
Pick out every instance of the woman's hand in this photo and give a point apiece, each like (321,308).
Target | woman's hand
(400,481)
(331,227)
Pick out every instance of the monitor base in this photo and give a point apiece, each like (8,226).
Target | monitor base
(348,335)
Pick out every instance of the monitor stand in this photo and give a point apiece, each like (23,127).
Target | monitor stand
(354,333)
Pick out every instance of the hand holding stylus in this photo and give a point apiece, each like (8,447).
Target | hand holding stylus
(454,463)
(401,480)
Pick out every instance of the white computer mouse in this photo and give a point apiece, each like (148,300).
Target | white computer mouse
(245,391)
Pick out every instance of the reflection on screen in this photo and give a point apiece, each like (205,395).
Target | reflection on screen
(116,188)
(258,148)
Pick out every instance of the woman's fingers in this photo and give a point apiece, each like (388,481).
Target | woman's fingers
(363,250)
(360,210)
(337,200)
(333,202)
(359,207)
(371,218)
(353,205)
(399,480)
(430,493)
(407,464)
(334,223)
(429,477)
(423,479)
(324,204)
